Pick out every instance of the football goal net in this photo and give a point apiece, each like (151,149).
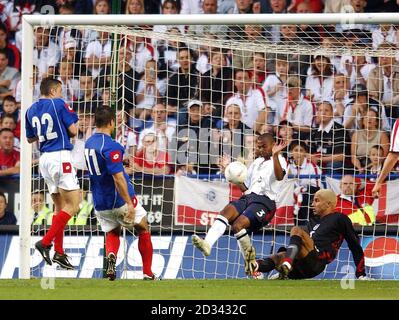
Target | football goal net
(191,94)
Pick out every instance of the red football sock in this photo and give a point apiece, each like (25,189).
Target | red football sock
(58,225)
(112,243)
(145,248)
(59,241)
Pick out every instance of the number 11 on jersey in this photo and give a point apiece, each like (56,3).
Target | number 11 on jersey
(91,158)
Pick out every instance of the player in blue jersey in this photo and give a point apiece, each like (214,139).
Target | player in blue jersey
(114,198)
(52,123)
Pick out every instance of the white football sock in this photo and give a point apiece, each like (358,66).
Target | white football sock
(217,230)
(244,241)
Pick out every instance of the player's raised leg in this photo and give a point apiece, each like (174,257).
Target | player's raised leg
(222,221)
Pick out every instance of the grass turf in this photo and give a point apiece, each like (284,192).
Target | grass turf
(100,289)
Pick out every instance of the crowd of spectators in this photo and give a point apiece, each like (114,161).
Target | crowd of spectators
(183,108)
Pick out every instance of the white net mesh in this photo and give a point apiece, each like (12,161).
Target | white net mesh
(188,98)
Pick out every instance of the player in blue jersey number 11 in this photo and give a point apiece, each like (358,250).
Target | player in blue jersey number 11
(114,198)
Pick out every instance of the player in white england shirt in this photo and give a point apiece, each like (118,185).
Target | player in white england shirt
(257,206)
(390,161)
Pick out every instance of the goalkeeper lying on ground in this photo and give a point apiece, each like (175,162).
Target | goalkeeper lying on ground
(309,251)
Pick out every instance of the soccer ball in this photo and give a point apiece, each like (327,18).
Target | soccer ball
(236,172)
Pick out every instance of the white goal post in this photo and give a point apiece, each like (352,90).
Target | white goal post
(31,21)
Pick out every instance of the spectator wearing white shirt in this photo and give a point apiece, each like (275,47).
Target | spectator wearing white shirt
(70,85)
(301,165)
(357,68)
(203,64)
(191,7)
(250,100)
(384,33)
(319,84)
(305,187)
(275,86)
(355,6)
(150,90)
(73,56)
(46,54)
(163,128)
(98,53)
(296,109)
(143,51)
(383,82)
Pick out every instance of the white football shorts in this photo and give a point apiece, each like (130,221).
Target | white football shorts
(109,218)
(58,172)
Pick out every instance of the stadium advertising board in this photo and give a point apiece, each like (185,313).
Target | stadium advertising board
(175,258)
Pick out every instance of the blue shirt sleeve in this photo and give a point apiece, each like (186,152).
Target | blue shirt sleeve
(30,133)
(68,116)
(113,155)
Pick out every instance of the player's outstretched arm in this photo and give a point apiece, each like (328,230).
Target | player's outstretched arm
(353,244)
(389,163)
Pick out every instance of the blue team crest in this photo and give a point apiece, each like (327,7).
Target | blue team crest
(211,196)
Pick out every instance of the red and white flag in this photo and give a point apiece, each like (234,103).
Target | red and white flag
(198,202)
(387,205)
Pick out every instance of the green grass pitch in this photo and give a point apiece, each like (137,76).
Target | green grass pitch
(100,289)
